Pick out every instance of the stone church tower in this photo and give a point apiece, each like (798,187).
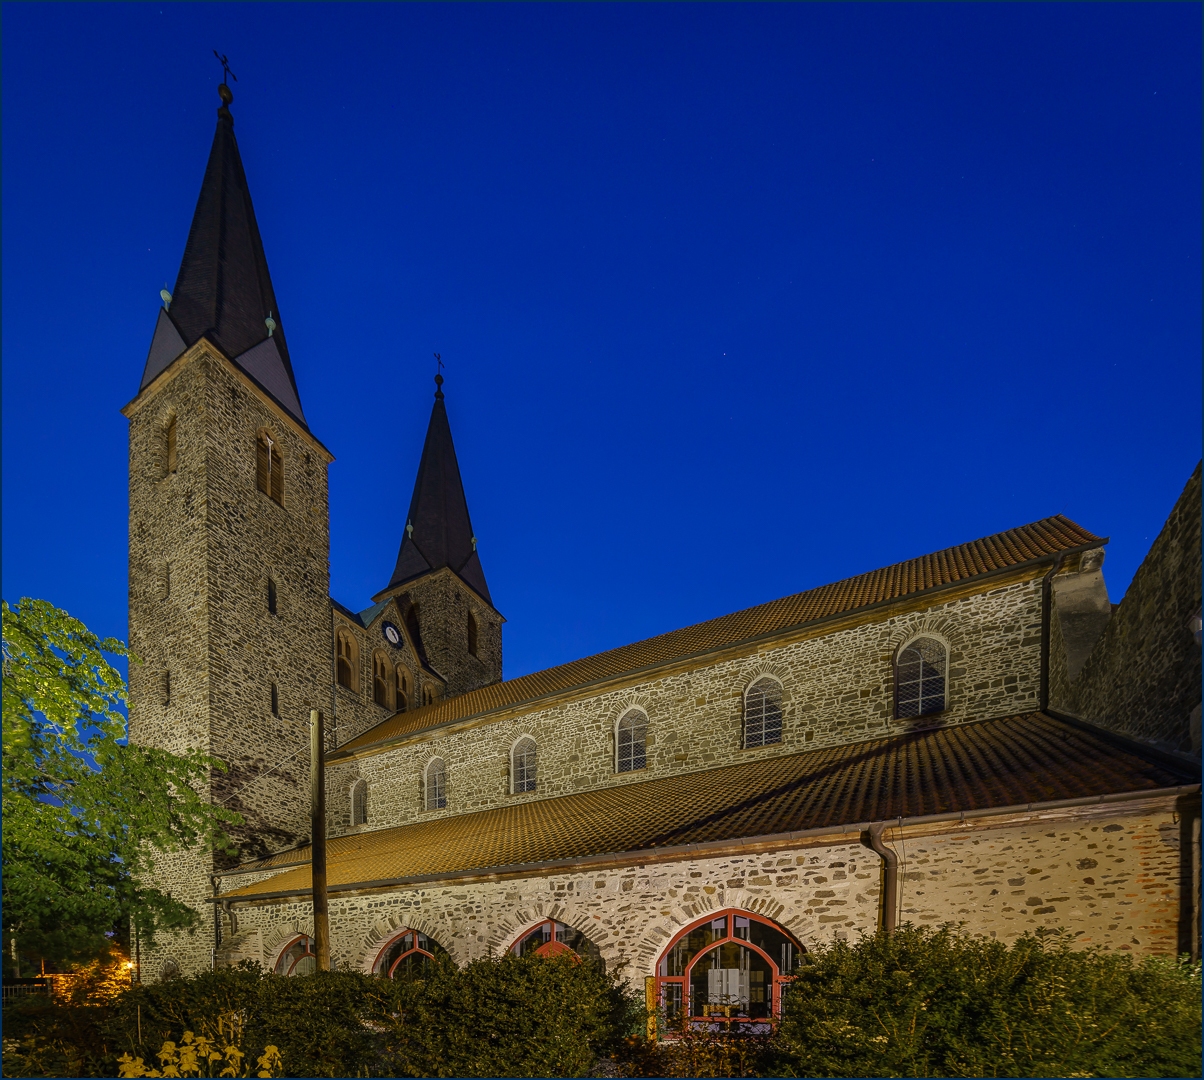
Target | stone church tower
(229,538)
(438,582)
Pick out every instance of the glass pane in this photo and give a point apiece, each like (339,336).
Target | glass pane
(689,946)
(731,980)
(763,714)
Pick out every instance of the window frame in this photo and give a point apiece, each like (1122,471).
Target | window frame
(902,648)
(514,790)
(309,951)
(417,949)
(401,692)
(708,1021)
(630,710)
(359,790)
(426,783)
(764,676)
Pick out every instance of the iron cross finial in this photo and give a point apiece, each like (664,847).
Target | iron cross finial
(225,67)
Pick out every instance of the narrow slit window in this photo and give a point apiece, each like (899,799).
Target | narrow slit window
(631,741)
(920,679)
(271,596)
(269,467)
(170,456)
(763,713)
(436,785)
(359,803)
(165,687)
(275,700)
(522,765)
(472,634)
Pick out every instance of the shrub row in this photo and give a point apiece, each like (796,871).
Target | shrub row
(915,1003)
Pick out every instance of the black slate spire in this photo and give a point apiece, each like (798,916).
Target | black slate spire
(438,531)
(223,291)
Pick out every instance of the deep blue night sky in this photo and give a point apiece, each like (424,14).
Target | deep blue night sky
(734,300)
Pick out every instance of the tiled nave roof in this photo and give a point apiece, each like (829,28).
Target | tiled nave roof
(969,767)
(1005,550)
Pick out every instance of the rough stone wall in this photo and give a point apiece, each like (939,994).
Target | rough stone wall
(1142,679)
(1107,874)
(355,711)
(443,604)
(837,688)
(222,539)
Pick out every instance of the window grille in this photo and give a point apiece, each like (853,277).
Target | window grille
(436,785)
(632,741)
(359,803)
(522,765)
(763,713)
(920,679)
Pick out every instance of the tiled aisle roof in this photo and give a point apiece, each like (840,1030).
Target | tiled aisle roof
(999,552)
(992,763)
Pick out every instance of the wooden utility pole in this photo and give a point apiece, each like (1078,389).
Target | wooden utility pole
(317,787)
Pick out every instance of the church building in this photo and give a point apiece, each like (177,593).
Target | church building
(974,736)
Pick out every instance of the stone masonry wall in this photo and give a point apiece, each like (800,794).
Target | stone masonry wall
(1108,874)
(1142,678)
(203,543)
(837,688)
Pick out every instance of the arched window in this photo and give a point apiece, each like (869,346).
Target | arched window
(551,938)
(763,712)
(170,458)
(269,467)
(347,660)
(920,678)
(298,957)
(435,785)
(428,696)
(409,955)
(726,969)
(472,634)
(631,740)
(382,679)
(522,765)
(359,802)
(403,690)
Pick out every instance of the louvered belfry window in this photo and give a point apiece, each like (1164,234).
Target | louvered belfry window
(346,660)
(631,741)
(920,679)
(522,765)
(763,713)
(381,677)
(269,467)
(436,785)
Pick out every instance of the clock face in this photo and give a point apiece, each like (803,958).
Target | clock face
(392,634)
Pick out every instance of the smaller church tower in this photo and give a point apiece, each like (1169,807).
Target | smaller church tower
(438,581)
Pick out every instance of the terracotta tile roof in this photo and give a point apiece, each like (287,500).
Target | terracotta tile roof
(949,567)
(976,766)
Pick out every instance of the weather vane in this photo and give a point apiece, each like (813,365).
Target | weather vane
(439,361)
(225,67)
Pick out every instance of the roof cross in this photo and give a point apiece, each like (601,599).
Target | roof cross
(225,67)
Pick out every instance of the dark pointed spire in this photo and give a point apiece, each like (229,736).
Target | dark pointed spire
(438,532)
(223,291)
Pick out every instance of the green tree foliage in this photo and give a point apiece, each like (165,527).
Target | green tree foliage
(85,812)
(923,1002)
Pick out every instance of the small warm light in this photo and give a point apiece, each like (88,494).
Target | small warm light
(129,963)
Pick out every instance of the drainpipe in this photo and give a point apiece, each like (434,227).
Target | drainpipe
(872,839)
(1046,625)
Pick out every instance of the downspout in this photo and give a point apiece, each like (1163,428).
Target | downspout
(1046,626)
(872,838)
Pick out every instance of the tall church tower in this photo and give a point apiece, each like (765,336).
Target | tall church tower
(229,542)
(438,581)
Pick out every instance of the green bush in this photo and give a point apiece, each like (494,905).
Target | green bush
(510,1016)
(923,1002)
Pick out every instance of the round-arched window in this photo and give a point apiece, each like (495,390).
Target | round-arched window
(920,679)
(408,955)
(298,957)
(552,938)
(523,765)
(728,969)
(631,741)
(763,713)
